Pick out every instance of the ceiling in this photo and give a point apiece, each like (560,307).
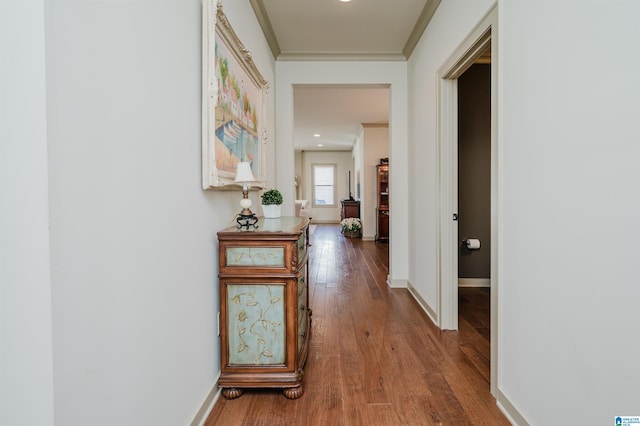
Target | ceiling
(335,114)
(334,30)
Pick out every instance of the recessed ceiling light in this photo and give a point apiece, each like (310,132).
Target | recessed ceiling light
(345,1)
(320,144)
(317,135)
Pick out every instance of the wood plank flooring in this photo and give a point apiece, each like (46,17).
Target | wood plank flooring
(375,358)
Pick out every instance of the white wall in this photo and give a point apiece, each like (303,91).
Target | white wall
(358,163)
(132,236)
(26,371)
(390,73)
(300,192)
(569,137)
(113,169)
(451,23)
(344,162)
(568,176)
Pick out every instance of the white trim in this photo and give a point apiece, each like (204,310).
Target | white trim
(208,404)
(340,56)
(423,21)
(423,304)
(508,409)
(448,201)
(496,201)
(263,19)
(474,282)
(396,283)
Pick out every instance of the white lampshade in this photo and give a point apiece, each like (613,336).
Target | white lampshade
(243,172)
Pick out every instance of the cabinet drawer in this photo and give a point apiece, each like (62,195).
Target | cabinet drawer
(255,256)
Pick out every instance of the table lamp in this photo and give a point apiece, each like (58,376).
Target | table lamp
(244,176)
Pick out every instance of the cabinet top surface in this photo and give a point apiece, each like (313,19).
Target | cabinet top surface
(282,225)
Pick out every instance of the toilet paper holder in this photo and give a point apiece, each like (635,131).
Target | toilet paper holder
(471,243)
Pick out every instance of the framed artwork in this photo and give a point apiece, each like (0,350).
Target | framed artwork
(233,104)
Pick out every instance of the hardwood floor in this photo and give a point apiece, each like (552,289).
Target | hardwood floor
(375,357)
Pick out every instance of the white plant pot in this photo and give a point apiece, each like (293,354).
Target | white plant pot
(271,211)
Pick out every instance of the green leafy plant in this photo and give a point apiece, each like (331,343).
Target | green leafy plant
(271,196)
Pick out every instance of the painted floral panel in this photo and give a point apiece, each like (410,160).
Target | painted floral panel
(256,317)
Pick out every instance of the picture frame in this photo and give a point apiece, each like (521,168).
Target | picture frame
(233,104)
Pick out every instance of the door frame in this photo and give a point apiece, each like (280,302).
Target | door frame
(472,47)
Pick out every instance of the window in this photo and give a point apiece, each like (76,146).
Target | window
(324,190)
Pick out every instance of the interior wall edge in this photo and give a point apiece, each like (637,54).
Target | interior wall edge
(509,410)
(431,313)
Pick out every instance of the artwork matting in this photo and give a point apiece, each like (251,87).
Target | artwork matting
(233,104)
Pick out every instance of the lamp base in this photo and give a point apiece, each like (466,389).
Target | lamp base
(247,221)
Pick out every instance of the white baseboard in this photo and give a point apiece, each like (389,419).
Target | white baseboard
(396,283)
(474,282)
(507,408)
(368,238)
(423,304)
(204,411)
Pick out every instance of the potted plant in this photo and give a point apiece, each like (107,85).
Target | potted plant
(351,227)
(271,203)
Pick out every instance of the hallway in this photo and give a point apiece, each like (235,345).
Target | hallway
(375,358)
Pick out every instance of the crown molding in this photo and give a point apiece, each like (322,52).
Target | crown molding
(265,24)
(421,25)
(340,56)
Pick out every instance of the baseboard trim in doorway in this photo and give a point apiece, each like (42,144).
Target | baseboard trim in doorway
(423,304)
(396,283)
(507,408)
(204,411)
(474,282)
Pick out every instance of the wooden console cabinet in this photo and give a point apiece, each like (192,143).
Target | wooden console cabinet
(265,320)
(350,208)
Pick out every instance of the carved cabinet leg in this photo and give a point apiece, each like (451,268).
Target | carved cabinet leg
(232,393)
(293,393)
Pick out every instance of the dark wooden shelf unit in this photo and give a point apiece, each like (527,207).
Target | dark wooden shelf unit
(382,209)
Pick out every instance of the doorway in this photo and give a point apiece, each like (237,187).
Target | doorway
(478,42)
(474,175)
(346,125)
